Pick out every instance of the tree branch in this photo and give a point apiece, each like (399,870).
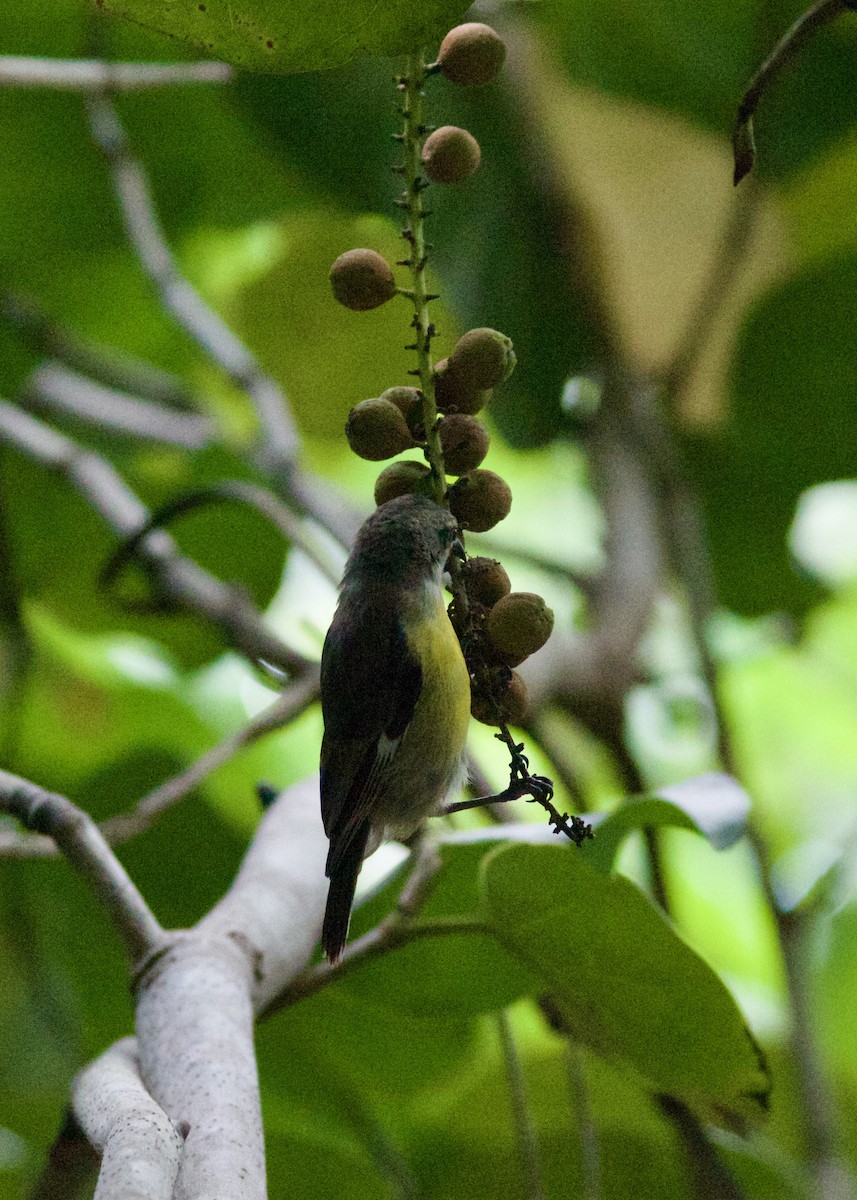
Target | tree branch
(112,367)
(178,297)
(80,75)
(196,1000)
(528,1144)
(56,387)
(180,578)
(141,1147)
(297,697)
(784,53)
(82,843)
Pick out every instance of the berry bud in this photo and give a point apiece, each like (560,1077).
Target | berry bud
(449,393)
(402,479)
(471,54)
(376,430)
(409,402)
(486,581)
(362,279)
(464,441)
(482,359)
(508,702)
(518,625)
(450,154)
(479,500)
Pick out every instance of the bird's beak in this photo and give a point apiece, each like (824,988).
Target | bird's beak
(457,550)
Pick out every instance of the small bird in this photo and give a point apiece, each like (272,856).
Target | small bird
(395,695)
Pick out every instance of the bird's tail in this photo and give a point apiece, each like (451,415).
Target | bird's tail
(343,881)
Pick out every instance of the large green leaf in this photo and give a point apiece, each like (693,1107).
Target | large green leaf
(794,381)
(697,59)
(713,805)
(628,986)
(305,35)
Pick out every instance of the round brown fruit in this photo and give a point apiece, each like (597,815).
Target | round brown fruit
(471,54)
(409,402)
(479,500)
(402,478)
(519,625)
(464,441)
(482,358)
(377,430)
(450,155)
(362,279)
(486,580)
(449,393)
(508,703)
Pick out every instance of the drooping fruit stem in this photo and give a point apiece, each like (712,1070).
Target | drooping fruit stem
(413,135)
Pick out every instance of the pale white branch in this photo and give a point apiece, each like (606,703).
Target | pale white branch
(85,75)
(197,1001)
(141,1147)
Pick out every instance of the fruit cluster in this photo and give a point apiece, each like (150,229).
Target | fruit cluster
(498,629)
(395,421)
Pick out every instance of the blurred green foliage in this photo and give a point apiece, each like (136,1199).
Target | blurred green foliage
(259,185)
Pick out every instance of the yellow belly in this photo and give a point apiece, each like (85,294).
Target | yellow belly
(429,762)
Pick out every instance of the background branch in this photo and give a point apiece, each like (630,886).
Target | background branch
(141,1147)
(80,75)
(179,578)
(58,388)
(82,843)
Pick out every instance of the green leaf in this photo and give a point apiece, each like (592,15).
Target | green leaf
(713,805)
(628,987)
(305,35)
(791,426)
(446,977)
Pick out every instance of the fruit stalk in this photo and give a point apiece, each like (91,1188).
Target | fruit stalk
(413,134)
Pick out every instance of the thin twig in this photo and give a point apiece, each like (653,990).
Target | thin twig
(297,697)
(295,700)
(82,843)
(528,1144)
(784,53)
(729,258)
(279,446)
(56,387)
(109,366)
(178,297)
(397,929)
(179,578)
(709,1178)
(590,1152)
(81,75)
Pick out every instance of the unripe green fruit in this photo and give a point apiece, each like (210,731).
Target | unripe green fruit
(376,430)
(450,393)
(507,703)
(479,500)
(519,625)
(486,581)
(482,359)
(362,279)
(471,54)
(409,402)
(450,155)
(464,441)
(402,479)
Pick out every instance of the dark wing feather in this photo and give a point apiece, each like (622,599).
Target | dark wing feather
(370,683)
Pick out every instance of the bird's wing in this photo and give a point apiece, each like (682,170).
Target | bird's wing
(370,683)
